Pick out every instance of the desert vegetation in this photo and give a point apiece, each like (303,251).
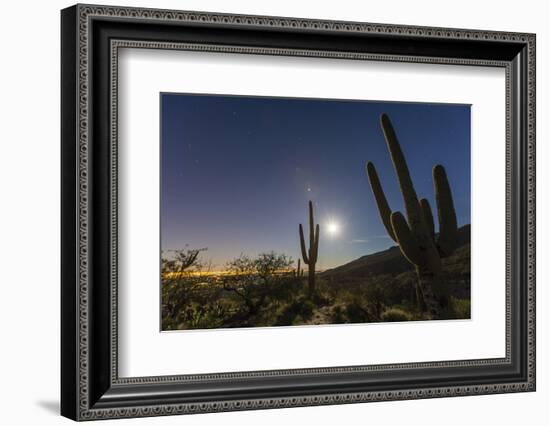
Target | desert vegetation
(267,290)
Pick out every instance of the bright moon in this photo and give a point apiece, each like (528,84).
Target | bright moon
(333,228)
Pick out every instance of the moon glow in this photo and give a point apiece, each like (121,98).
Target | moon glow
(333,228)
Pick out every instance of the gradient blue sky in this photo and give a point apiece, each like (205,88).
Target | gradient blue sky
(237,172)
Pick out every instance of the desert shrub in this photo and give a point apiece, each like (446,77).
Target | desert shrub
(182,284)
(205,316)
(355,312)
(197,315)
(395,315)
(177,295)
(460,308)
(286,288)
(337,315)
(255,281)
(298,311)
(320,298)
(400,289)
(329,287)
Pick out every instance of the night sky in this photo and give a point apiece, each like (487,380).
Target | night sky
(237,172)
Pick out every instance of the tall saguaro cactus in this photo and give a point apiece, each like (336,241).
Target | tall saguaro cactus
(310,256)
(416,234)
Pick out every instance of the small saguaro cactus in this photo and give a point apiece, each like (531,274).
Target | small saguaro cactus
(416,234)
(310,256)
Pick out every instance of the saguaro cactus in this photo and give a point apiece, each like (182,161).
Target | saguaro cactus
(298,270)
(310,256)
(416,234)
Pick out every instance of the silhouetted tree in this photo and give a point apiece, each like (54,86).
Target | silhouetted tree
(182,261)
(251,279)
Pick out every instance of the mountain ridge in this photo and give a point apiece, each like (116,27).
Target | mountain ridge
(386,261)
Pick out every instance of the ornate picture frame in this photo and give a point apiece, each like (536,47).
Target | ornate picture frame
(91,37)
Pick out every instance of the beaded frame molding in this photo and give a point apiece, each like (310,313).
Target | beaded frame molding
(91,38)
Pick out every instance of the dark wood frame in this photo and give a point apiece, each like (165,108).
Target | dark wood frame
(90,386)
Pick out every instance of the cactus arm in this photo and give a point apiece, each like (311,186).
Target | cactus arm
(381,201)
(448,231)
(428,216)
(410,198)
(303,245)
(405,238)
(311,234)
(315,247)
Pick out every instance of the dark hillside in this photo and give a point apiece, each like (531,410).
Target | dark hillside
(391,261)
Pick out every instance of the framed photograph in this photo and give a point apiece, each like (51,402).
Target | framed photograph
(263,212)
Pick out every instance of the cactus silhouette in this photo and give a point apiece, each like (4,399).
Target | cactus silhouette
(416,234)
(310,256)
(298,271)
